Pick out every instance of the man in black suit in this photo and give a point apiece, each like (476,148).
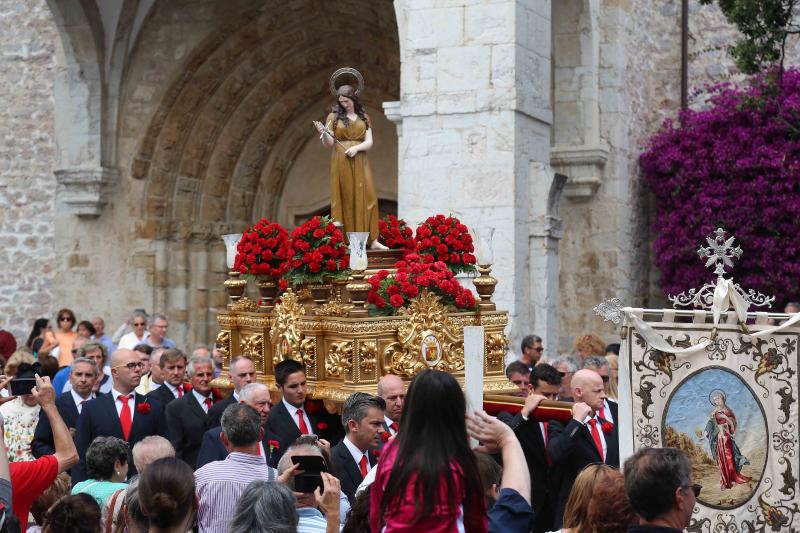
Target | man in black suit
(83,374)
(256,395)
(187,417)
(393,391)
(533,435)
(289,418)
(173,368)
(599,364)
(241,373)
(362,418)
(586,439)
(121,413)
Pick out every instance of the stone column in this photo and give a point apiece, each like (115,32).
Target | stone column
(475,113)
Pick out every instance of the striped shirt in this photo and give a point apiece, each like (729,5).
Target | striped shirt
(311,521)
(220,484)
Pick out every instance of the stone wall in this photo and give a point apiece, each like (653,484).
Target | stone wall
(27,149)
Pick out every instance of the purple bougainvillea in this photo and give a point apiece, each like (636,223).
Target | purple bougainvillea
(735,164)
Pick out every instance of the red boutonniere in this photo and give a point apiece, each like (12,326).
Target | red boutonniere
(385,436)
(607,426)
(322,426)
(376,453)
(143,407)
(273,445)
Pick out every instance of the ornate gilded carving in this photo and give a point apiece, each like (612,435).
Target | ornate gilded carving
(339,360)
(253,347)
(333,308)
(368,356)
(308,352)
(285,334)
(245,305)
(425,340)
(495,348)
(224,344)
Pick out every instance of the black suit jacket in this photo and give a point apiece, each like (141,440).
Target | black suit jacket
(347,470)
(572,449)
(162,395)
(215,414)
(284,429)
(42,443)
(544,480)
(99,419)
(187,422)
(212,449)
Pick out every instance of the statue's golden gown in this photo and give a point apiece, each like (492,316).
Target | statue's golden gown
(353,198)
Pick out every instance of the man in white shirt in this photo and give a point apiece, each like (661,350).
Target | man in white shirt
(138,322)
(173,369)
(242,372)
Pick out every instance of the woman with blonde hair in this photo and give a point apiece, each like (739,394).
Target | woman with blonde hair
(589,344)
(613,376)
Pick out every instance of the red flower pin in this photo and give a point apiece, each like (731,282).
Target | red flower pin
(607,426)
(273,445)
(143,407)
(385,436)
(376,452)
(322,426)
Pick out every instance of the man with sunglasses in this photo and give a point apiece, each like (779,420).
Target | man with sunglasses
(122,413)
(138,322)
(532,350)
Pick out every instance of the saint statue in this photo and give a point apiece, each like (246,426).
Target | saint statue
(720,431)
(348,133)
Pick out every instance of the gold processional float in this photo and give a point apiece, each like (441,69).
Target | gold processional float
(328,328)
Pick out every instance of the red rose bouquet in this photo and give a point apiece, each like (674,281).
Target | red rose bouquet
(396,234)
(317,250)
(388,294)
(446,239)
(263,250)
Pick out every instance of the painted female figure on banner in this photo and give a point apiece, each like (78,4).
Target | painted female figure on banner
(720,431)
(348,131)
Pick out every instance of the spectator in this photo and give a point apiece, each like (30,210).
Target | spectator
(133,519)
(429,465)
(167,495)
(8,345)
(187,417)
(581,495)
(393,391)
(658,482)
(48,365)
(173,367)
(221,483)
(113,415)
(14,360)
(265,508)
(532,350)
(79,513)
(357,520)
(36,338)
(31,478)
(612,349)
(201,350)
(519,373)
(56,491)
(138,321)
(107,467)
(85,329)
(100,334)
(158,333)
(609,509)
(613,382)
(491,473)
(599,364)
(154,378)
(311,520)
(21,414)
(144,351)
(792,308)
(96,352)
(589,344)
(62,338)
(242,372)
(566,366)
(362,418)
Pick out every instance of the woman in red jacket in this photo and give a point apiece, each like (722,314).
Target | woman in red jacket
(427,478)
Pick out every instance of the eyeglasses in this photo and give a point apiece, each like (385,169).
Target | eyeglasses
(65,319)
(132,366)
(605,379)
(695,488)
(540,349)
(138,323)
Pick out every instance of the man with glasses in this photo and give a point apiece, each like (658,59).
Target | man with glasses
(122,413)
(659,485)
(158,333)
(532,350)
(138,322)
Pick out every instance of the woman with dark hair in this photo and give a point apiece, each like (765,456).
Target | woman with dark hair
(86,329)
(167,496)
(73,514)
(348,131)
(107,466)
(62,338)
(427,477)
(36,338)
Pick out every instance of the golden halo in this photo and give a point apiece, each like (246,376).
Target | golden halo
(347,70)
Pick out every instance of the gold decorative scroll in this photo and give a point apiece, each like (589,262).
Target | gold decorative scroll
(495,348)
(253,347)
(340,359)
(245,305)
(368,355)
(285,334)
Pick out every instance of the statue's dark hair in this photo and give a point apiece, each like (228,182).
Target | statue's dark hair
(348,92)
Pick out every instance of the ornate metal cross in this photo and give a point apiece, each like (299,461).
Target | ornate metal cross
(720,251)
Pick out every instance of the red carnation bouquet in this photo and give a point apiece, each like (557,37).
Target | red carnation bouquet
(446,239)
(388,294)
(317,250)
(263,250)
(396,234)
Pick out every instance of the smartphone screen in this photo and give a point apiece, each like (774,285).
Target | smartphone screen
(310,479)
(21,386)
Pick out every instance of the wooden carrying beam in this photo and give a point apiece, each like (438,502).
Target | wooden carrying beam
(546,410)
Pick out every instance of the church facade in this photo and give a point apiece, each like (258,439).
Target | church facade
(137,132)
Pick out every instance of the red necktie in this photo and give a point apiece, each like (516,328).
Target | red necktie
(125,416)
(602,413)
(363,465)
(596,438)
(180,390)
(301,422)
(394,427)
(208,403)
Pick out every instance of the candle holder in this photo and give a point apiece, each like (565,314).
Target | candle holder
(357,242)
(358,289)
(233,285)
(485,285)
(267,289)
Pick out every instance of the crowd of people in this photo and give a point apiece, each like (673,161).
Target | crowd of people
(127,434)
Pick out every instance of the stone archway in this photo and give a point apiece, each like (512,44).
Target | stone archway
(222,143)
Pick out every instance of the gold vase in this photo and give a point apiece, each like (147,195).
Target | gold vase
(268,289)
(320,293)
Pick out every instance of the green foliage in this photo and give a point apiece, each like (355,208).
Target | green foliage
(765,26)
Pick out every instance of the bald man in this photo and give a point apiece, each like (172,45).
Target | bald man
(122,413)
(585,440)
(393,391)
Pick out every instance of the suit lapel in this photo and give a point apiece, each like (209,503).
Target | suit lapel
(107,403)
(194,407)
(351,468)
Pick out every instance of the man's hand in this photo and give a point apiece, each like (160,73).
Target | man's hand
(580,411)
(324,444)
(489,431)
(328,499)
(531,403)
(44,392)
(290,473)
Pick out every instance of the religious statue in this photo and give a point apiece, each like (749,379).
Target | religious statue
(720,430)
(348,132)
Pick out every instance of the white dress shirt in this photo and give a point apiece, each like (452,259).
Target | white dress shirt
(599,430)
(118,404)
(202,400)
(293,413)
(356,453)
(173,389)
(388,421)
(607,412)
(130,340)
(79,401)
